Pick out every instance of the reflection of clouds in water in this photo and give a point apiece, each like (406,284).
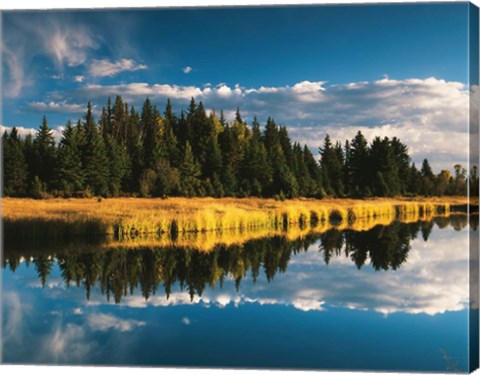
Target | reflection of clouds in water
(13,316)
(38,333)
(104,322)
(67,343)
(52,283)
(433,280)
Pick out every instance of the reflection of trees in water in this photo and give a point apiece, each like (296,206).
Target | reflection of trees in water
(121,271)
(387,247)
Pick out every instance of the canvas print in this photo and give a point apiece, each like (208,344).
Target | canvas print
(281,187)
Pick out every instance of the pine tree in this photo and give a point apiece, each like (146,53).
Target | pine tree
(190,173)
(427,178)
(414,180)
(170,136)
(255,168)
(358,161)
(70,175)
(402,161)
(118,165)
(314,171)
(202,131)
(95,161)
(150,133)
(119,121)
(384,169)
(14,165)
(332,167)
(135,152)
(44,149)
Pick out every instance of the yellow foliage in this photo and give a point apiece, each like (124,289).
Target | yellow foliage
(204,222)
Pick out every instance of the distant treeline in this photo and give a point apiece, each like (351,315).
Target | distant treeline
(127,153)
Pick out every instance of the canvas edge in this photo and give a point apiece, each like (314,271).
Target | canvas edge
(473,81)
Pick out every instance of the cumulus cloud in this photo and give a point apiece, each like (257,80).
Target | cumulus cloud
(107,68)
(187,69)
(23,132)
(427,104)
(79,78)
(56,107)
(105,322)
(429,115)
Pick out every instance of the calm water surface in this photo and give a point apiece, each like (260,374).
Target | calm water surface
(392,298)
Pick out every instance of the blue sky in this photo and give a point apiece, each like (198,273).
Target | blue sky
(383,69)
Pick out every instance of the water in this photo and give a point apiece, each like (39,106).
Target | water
(391,299)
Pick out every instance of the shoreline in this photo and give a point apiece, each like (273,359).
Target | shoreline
(126,219)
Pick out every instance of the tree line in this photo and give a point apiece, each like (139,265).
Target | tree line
(149,154)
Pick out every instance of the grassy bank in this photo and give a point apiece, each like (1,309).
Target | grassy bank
(231,219)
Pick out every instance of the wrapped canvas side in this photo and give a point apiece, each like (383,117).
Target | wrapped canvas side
(473,193)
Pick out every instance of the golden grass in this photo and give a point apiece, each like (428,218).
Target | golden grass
(139,221)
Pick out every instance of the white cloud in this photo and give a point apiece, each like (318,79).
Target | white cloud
(104,322)
(429,115)
(15,73)
(107,68)
(23,132)
(13,316)
(186,321)
(79,78)
(187,69)
(56,107)
(78,311)
(68,45)
(66,343)
(57,37)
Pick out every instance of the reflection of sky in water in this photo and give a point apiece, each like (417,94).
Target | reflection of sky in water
(311,316)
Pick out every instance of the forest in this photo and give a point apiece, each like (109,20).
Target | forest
(149,154)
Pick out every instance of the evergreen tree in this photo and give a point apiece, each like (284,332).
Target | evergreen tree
(14,165)
(314,171)
(190,174)
(414,179)
(44,150)
(384,177)
(402,161)
(332,167)
(95,159)
(118,165)
(358,161)
(150,133)
(70,173)
(134,151)
(427,178)
(196,155)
